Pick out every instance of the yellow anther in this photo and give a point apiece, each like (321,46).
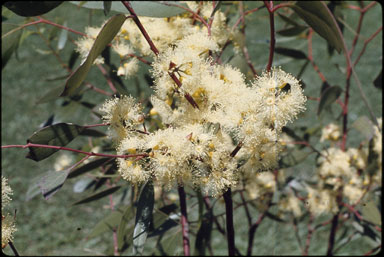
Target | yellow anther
(283,85)
(124,31)
(153,112)
(210,154)
(131,150)
(156,147)
(211,145)
(126,37)
(169,101)
(129,163)
(188,72)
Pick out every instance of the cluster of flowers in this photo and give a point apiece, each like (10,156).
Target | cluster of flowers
(130,42)
(347,172)
(7,222)
(214,127)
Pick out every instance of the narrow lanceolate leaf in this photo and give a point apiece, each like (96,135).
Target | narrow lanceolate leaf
(89,166)
(296,54)
(143,218)
(98,195)
(63,37)
(292,31)
(109,223)
(47,184)
(9,43)
(371,213)
(316,15)
(203,236)
(142,8)
(107,7)
(378,82)
(59,134)
(31,8)
(329,96)
(123,235)
(364,126)
(107,33)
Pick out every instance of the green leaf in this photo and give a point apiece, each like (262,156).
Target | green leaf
(329,96)
(378,82)
(63,37)
(288,20)
(107,224)
(123,236)
(107,33)
(141,8)
(371,213)
(59,134)
(83,184)
(292,31)
(364,126)
(31,8)
(293,158)
(9,43)
(111,170)
(143,218)
(203,236)
(89,166)
(51,95)
(316,15)
(107,7)
(98,195)
(296,54)
(92,133)
(48,184)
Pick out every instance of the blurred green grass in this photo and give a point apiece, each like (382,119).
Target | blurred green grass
(52,227)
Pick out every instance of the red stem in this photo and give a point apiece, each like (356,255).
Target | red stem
(273,39)
(74,150)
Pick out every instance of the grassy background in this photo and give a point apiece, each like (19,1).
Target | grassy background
(54,227)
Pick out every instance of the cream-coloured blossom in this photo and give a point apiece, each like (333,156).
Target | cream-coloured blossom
(84,44)
(6,192)
(7,221)
(8,228)
(63,161)
(260,184)
(330,132)
(123,114)
(334,162)
(322,201)
(290,203)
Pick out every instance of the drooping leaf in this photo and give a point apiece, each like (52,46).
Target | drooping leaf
(371,213)
(143,218)
(107,224)
(123,235)
(105,36)
(364,126)
(203,236)
(83,184)
(98,195)
(378,82)
(62,38)
(72,59)
(111,170)
(59,134)
(107,7)
(47,184)
(31,8)
(51,95)
(142,8)
(296,54)
(9,43)
(329,96)
(316,15)
(92,133)
(89,166)
(292,31)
